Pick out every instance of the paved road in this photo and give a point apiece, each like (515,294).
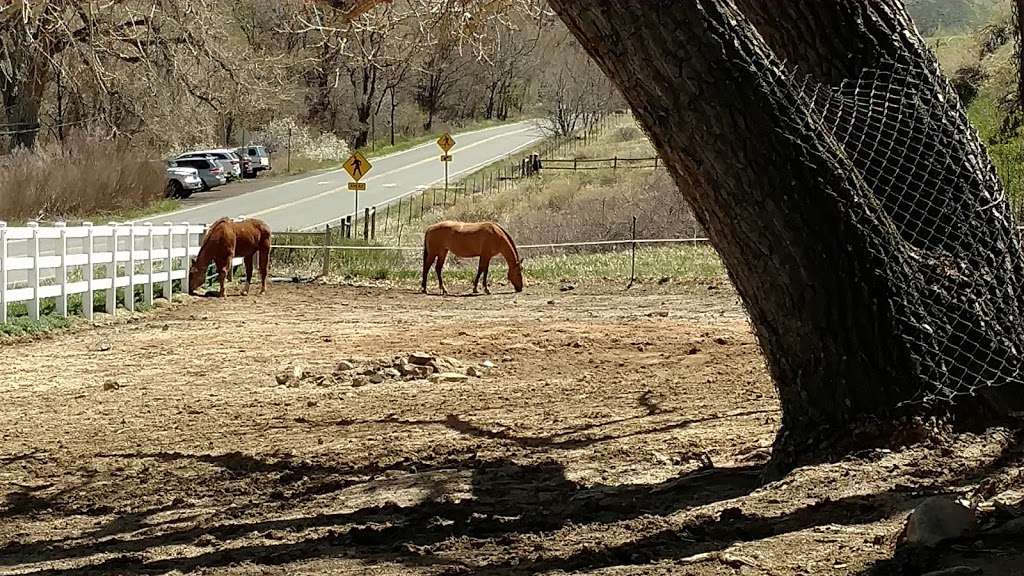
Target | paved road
(311,202)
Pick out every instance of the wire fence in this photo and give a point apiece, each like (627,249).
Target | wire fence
(901,127)
(322,254)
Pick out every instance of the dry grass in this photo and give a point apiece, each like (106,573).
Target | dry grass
(88,178)
(588,205)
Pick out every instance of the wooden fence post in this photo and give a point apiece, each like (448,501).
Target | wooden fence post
(112,274)
(387,216)
(62,272)
(168,263)
(33,272)
(3,272)
(327,251)
(615,163)
(373,223)
(147,290)
(90,266)
(366,224)
(129,293)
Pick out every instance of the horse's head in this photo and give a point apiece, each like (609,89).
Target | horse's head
(196,276)
(515,275)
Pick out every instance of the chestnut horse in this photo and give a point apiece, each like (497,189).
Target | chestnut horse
(467,240)
(223,241)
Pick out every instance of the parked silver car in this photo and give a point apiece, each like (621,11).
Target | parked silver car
(211,173)
(182,181)
(254,159)
(227,159)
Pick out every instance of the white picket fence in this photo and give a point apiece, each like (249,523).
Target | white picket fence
(55,262)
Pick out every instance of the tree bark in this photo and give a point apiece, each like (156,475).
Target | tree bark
(834,293)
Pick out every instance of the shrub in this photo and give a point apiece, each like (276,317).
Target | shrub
(967,82)
(89,177)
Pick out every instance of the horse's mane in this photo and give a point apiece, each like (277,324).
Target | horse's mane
(510,240)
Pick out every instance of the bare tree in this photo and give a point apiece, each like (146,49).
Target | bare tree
(574,91)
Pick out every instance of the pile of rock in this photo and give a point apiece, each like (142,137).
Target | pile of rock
(413,367)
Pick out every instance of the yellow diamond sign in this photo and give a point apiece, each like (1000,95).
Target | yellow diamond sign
(357,166)
(446,142)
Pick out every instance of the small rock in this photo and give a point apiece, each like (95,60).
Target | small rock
(448,377)
(310,403)
(721,341)
(376,378)
(282,377)
(345,366)
(551,302)
(506,358)
(297,373)
(938,519)
(420,358)
(111,385)
(487,364)
(664,280)
(693,351)
(392,373)
(474,372)
(207,540)
(567,287)
(102,346)
(166,328)
(360,381)
(577,344)
(413,371)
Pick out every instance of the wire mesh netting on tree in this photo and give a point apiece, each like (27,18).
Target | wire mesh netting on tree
(902,128)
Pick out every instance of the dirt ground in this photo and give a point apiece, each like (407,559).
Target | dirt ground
(617,434)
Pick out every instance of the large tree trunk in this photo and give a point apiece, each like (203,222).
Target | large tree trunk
(864,302)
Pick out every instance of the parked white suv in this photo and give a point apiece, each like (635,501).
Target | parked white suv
(182,182)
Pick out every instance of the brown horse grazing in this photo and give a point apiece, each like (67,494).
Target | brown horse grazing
(223,241)
(466,240)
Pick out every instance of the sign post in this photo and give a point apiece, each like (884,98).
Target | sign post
(357,166)
(446,143)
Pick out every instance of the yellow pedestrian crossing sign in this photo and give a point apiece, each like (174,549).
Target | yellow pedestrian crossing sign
(357,166)
(446,142)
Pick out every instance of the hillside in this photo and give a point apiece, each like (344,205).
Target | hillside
(946,17)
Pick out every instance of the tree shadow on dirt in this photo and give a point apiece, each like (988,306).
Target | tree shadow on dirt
(508,499)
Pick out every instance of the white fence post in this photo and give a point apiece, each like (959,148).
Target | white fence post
(129,294)
(112,293)
(62,271)
(169,262)
(90,270)
(33,273)
(3,272)
(148,288)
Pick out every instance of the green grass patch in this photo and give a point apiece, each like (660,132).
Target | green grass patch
(23,326)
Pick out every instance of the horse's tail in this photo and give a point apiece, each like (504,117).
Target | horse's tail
(515,250)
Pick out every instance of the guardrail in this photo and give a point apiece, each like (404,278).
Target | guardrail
(59,261)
